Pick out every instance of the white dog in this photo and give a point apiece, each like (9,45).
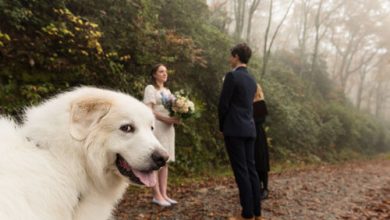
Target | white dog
(74,156)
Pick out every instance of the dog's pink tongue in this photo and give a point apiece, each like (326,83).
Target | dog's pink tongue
(149,178)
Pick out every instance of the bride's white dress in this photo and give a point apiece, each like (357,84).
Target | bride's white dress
(165,133)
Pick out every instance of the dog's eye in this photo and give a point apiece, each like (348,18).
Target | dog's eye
(152,128)
(127,128)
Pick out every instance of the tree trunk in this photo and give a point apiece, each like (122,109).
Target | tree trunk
(302,38)
(378,99)
(239,12)
(252,10)
(265,47)
(317,39)
(360,89)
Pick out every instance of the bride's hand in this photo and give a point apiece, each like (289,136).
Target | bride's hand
(171,120)
(175,120)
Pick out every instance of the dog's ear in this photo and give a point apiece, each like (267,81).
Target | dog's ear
(84,114)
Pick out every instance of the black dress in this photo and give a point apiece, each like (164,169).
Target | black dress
(261,146)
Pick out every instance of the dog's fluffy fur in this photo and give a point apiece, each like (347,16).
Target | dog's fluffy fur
(74,155)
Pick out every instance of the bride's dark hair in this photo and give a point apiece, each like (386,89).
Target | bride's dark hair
(153,71)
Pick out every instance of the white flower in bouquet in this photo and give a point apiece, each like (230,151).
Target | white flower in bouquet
(181,106)
(191,106)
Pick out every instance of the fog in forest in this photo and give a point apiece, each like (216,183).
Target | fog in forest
(350,39)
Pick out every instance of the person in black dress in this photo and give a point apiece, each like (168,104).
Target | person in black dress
(261,146)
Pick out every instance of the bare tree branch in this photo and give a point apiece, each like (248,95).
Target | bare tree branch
(252,10)
(267,49)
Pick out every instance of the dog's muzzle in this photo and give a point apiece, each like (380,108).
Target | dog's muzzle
(143,177)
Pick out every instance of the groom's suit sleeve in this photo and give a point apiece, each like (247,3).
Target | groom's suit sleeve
(225,99)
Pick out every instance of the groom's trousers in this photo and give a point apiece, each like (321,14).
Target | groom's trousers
(241,155)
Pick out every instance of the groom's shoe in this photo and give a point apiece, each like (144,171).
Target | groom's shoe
(162,203)
(264,194)
(239,217)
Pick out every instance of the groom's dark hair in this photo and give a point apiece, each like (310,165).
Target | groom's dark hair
(243,52)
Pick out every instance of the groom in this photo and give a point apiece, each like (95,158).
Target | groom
(238,127)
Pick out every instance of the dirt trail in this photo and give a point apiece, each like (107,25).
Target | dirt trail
(356,190)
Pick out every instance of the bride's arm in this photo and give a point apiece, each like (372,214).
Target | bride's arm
(161,117)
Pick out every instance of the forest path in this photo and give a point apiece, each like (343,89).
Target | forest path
(353,190)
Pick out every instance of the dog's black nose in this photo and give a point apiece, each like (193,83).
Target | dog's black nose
(160,158)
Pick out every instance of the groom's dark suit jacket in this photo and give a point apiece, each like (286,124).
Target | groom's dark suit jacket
(235,109)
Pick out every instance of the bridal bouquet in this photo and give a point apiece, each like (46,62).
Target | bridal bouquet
(179,105)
